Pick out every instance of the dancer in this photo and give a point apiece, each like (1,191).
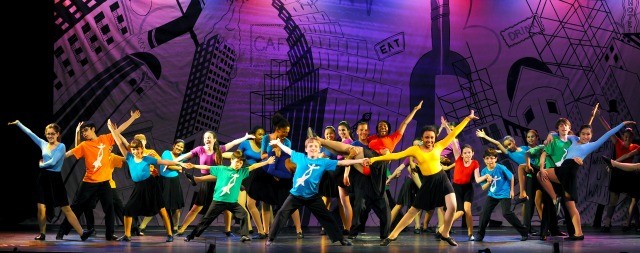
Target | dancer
(248,195)
(140,230)
(466,168)
(500,185)
(567,161)
(305,189)
(50,190)
(409,188)
(436,187)
(210,153)
(146,198)
(96,151)
(171,188)
(226,193)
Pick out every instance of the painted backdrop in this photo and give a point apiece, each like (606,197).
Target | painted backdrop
(226,66)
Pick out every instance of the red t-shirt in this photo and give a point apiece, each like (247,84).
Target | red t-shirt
(462,174)
(622,150)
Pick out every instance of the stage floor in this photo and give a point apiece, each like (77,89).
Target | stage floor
(503,239)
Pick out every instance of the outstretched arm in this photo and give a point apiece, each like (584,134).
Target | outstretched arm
(134,115)
(254,166)
(77,139)
(117,136)
(626,166)
(235,142)
(282,146)
(405,122)
(40,142)
(480,133)
(350,162)
(627,155)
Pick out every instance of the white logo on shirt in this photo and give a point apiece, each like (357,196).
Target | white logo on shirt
(307,174)
(493,184)
(227,188)
(97,164)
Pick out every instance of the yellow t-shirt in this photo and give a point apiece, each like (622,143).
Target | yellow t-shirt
(429,162)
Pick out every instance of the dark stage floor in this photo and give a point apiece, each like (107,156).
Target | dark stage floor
(503,239)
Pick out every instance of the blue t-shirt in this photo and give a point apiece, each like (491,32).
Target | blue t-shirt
(501,185)
(518,156)
(306,179)
(140,170)
(51,159)
(251,155)
(164,171)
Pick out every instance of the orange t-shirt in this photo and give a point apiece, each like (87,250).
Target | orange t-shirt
(96,155)
(389,142)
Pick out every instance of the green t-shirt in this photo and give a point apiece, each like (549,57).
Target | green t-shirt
(556,151)
(228,183)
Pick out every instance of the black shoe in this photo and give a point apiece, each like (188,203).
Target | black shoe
(86,234)
(479,238)
(524,238)
(607,161)
(387,240)
(260,236)
(450,240)
(416,231)
(428,230)
(558,233)
(229,234)
(345,232)
(40,237)
(251,231)
(244,238)
(192,180)
(169,238)
(438,236)
(60,235)
(111,238)
(345,242)
(188,238)
(124,238)
(575,238)
(605,229)
(299,235)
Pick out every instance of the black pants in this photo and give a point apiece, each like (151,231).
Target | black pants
(215,209)
(549,220)
(532,186)
(118,209)
(511,217)
(85,199)
(317,208)
(370,201)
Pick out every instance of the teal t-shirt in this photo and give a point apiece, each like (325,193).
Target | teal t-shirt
(228,183)
(501,185)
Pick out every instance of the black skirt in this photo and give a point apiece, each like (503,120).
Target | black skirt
(464,193)
(172,193)
(145,200)
(259,188)
(434,188)
(567,174)
(407,193)
(205,196)
(50,189)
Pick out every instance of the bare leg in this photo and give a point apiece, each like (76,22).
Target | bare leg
(575,217)
(469,217)
(394,212)
(427,218)
(296,221)
(404,222)
(450,201)
(546,184)
(522,181)
(228,218)
(42,218)
(253,210)
(195,209)
(346,206)
(176,218)
(416,221)
(266,216)
(71,217)
(440,214)
(538,202)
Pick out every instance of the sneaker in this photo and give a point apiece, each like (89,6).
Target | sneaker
(345,242)
(192,180)
(40,237)
(299,235)
(169,238)
(472,238)
(244,238)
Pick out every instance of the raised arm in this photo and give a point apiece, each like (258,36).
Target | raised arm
(254,166)
(134,115)
(77,139)
(282,146)
(611,133)
(606,125)
(40,142)
(116,135)
(480,133)
(235,142)
(456,130)
(405,122)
